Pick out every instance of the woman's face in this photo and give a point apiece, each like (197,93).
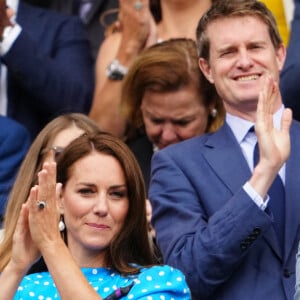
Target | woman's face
(94,203)
(62,140)
(172,117)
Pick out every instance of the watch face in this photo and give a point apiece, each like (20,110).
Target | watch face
(115,71)
(116,75)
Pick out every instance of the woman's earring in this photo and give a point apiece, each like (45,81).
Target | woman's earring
(214,112)
(61,225)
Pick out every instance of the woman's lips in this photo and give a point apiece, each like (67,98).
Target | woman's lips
(98,226)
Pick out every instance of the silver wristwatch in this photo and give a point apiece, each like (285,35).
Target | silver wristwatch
(116,71)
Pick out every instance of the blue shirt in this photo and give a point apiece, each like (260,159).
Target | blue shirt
(158,282)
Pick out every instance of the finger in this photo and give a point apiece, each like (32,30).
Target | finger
(272,95)
(286,120)
(42,186)
(22,222)
(47,184)
(260,111)
(32,199)
(51,179)
(58,194)
(267,102)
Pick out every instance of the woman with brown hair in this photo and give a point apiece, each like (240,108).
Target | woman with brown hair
(47,145)
(166,99)
(107,254)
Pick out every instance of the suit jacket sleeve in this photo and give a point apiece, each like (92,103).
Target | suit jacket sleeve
(198,230)
(14,143)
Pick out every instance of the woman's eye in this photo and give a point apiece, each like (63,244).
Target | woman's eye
(157,121)
(182,123)
(85,191)
(118,194)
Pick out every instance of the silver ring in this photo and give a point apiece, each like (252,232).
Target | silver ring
(41,204)
(138,5)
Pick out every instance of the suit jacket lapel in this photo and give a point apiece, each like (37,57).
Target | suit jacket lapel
(227,161)
(230,164)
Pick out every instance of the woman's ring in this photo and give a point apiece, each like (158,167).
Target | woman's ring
(41,204)
(138,5)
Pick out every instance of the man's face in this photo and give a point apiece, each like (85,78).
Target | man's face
(241,57)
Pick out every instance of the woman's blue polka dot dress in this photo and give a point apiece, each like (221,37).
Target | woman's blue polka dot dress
(158,282)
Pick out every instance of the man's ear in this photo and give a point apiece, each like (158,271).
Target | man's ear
(206,70)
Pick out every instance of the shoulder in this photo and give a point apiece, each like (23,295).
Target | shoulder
(12,129)
(161,281)
(28,15)
(165,272)
(187,148)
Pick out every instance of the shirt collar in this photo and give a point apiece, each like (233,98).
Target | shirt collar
(240,127)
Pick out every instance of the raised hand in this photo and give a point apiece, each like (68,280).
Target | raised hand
(274,144)
(137,24)
(43,221)
(24,252)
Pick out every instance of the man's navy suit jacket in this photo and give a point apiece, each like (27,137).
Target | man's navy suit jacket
(14,143)
(101,10)
(50,69)
(207,225)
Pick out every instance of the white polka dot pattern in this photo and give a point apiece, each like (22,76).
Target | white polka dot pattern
(155,283)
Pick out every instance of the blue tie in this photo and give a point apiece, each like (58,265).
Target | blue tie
(276,202)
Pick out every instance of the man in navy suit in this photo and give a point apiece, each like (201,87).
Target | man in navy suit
(214,210)
(49,67)
(14,143)
(101,14)
(289,80)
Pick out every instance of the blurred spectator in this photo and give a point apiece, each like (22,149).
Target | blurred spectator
(138,29)
(14,142)
(98,14)
(289,84)
(46,67)
(287,13)
(166,99)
